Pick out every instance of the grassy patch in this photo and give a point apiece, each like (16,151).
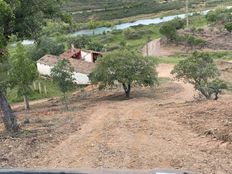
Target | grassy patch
(52,91)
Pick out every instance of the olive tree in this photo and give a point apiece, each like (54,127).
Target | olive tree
(201,71)
(62,75)
(126,68)
(22,73)
(25,19)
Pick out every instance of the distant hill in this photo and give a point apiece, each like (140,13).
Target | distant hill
(84,10)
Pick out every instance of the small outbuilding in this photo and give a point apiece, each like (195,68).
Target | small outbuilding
(82,61)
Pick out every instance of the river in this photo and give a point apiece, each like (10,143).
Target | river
(101,30)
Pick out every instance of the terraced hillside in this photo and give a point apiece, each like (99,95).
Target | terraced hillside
(83,10)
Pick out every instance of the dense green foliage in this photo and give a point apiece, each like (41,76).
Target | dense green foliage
(201,71)
(23,18)
(169,29)
(126,68)
(62,75)
(46,45)
(85,42)
(22,72)
(228,26)
(220,16)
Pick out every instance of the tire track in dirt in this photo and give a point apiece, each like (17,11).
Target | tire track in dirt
(135,134)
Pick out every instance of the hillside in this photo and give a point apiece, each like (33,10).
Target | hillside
(163,127)
(84,10)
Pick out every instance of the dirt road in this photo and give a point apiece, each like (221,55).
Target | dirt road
(157,128)
(140,133)
(187,93)
(137,134)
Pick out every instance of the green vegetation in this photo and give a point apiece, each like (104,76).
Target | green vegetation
(135,40)
(85,42)
(125,68)
(219,16)
(52,90)
(22,73)
(24,19)
(228,26)
(201,71)
(83,11)
(169,30)
(45,45)
(62,75)
(109,9)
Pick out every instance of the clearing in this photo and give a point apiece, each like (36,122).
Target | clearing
(161,127)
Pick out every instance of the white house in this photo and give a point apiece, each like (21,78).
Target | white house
(83,63)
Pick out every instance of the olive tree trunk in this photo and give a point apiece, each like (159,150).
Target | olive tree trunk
(9,118)
(65,102)
(127,89)
(26,102)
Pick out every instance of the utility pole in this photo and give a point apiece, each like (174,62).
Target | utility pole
(187,13)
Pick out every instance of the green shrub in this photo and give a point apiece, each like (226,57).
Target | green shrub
(169,31)
(194,41)
(132,34)
(228,26)
(178,23)
(219,16)
(80,41)
(45,45)
(201,71)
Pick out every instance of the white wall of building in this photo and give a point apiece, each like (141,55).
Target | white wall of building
(81,79)
(87,56)
(44,69)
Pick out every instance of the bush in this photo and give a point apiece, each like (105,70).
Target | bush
(132,34)
(80,41)
(46,45)
(201,71)
(220,16)
(194,41)
(95,46)
(169,31)
(178,23)
(228,27)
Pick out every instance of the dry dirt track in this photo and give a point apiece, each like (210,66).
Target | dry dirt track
(140,133)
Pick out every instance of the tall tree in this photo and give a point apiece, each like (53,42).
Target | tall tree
(25,19)
(62,75)
(126,68)
(22,73)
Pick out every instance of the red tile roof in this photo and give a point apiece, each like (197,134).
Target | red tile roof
(80,66)
(69,53)
(48,60)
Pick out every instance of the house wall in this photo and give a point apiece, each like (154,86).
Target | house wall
(87,56)
(81,79)
(44,69)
